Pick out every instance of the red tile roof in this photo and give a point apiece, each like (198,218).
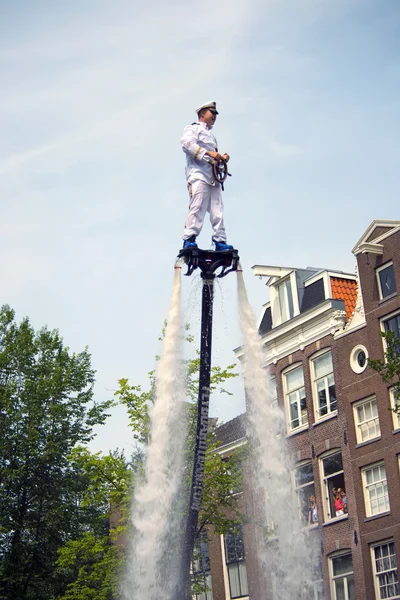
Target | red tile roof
(345,289)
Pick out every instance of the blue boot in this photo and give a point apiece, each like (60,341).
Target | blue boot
(190,242)
(221,246)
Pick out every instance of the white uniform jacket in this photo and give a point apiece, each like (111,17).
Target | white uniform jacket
(196,139)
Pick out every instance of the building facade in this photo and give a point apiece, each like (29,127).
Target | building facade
(319,329)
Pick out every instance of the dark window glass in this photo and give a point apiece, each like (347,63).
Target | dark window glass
(393,324)
(387,281)
(304,474)
(201,568)
(361,358)
(333,464)
(234,552)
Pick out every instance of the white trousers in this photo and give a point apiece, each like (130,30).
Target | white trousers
(205,198)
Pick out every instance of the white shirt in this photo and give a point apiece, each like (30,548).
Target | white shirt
(196,139)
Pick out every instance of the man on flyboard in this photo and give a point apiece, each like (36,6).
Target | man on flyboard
(201,149)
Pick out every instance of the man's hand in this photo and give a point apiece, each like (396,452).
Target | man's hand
(214,155)
(226,157)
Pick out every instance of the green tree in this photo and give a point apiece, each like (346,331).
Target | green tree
(389,367)
(91,565)
(46,409)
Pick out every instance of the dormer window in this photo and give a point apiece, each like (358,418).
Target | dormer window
(286,300)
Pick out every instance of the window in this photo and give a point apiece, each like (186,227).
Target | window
(235,562)
(393,324)
(324,384)
(375,489)
(296,398)
(358,359)
(384,567)
(333,480)
(201,569)
(386,281)
(366,420)
(342,579)
(313,591)
(304,484)
(286,300)
(273,392)
(395,402)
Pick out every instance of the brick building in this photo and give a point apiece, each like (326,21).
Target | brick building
(319,328)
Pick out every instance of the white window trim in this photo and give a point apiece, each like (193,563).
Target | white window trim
(296,487)
(356,424)
(377,271)
(395,313)
(272,386)
(330,413)
(393,402)
(274,298)
(367,502)
(302,426)
(227,586)
(353,359)
(374,571)
(332,578)
(328,518)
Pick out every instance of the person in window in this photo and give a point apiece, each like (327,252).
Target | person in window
(344,498)
(338,504)
(312,511)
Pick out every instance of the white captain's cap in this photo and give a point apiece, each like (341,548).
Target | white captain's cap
(210,105)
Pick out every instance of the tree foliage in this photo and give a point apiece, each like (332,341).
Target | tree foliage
(389,368)
(46,409)
(55,495)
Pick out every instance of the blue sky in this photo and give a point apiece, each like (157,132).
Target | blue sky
(94,98)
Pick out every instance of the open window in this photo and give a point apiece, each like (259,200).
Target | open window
(323,385)
(295,397)
(333,485)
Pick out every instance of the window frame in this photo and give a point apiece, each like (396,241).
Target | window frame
(378,271)
(314,380)
(326,488)
(367,498)
(302,425)
(230,565)
(357,425)
(376,574)
(303,518)
(273,388)
(287,311)
(384,320)
(354,364)
(393,402)
(344,576)
(201,567)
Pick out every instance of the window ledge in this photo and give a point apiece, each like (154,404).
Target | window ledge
(312,526)
(382,300)
(383,514)
(335,520)
(297,430)
(332,415)
(361,444)
(396,430)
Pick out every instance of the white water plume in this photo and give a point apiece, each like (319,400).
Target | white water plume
(285,549)
(154,557)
